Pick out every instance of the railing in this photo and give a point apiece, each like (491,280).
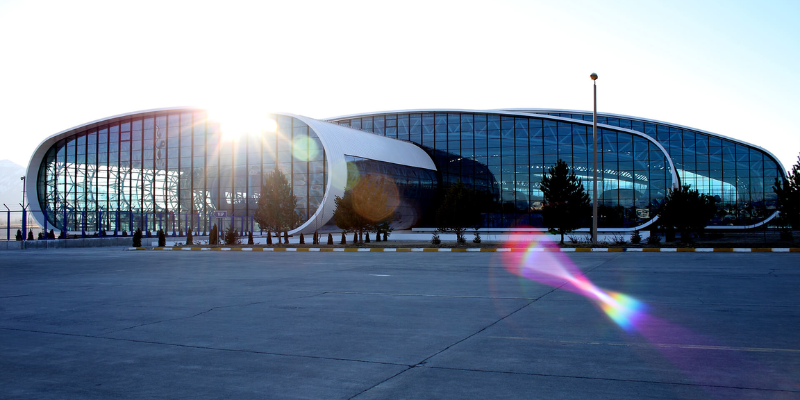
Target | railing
(20,224)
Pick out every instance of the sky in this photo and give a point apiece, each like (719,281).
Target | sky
(720,66)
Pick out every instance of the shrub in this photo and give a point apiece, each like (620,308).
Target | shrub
(344,239)
(618,239)
(162,238)
(573,239)
(435,238)
(330,239)
(378,237)
(19,235)
(367,240)
(232,236)
(41,236)
(51,235)
(653,238)
(189,238)
(124,233)
(477,238)
(302,239)
(137,238)
(250,238)
(636,238)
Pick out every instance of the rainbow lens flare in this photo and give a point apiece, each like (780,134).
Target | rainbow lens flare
(541,264)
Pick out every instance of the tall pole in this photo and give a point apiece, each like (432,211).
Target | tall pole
(594,157)
(24,214)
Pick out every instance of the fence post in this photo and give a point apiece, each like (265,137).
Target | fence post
(45,225)
(83,224)
(173,223)
(24,225)
(146,227)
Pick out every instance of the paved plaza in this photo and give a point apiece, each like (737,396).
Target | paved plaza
(108,323)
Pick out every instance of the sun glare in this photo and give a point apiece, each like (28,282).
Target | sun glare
(236,122)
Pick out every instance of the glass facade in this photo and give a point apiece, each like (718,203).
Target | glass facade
(172,170)
(739,176)
(410,190)
(506,156)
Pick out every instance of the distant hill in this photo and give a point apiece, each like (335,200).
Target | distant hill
(10,184)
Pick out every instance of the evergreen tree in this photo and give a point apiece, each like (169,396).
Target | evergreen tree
(459,210)
(250,237)
(162,238)
(687,211)
(330,239)
(269,238)
(30,234)
(137,238)
(232,235)
(19,235)
(213,236)
(276,206)
(788,192)
(51,235)
(189,238)
(364,206)
(566,203)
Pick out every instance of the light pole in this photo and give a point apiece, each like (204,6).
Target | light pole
(24,214)
(594,157)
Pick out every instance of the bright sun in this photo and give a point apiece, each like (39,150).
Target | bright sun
(236,122)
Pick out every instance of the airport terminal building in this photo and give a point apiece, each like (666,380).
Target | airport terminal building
(178,168)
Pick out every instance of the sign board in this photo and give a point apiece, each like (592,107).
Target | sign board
(220,214)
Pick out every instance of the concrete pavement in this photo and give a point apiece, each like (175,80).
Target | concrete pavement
(100,323)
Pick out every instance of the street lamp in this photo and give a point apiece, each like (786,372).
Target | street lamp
(594,156)
(24,214)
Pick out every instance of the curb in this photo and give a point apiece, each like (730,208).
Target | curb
(491,250)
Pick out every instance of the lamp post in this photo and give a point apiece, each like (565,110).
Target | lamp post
(594,157)
(24,214)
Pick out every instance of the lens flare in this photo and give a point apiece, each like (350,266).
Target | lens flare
(375,197)
(236,122)
(541,262)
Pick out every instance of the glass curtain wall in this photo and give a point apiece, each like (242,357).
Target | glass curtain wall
(507,156)
(740,177)
(172,170)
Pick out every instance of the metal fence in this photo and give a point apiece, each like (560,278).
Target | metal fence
(20,225)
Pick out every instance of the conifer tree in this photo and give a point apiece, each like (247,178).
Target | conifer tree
(687,211)
(788,192)
(276,205)
(566,203)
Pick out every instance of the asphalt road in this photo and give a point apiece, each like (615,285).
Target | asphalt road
(107,323)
